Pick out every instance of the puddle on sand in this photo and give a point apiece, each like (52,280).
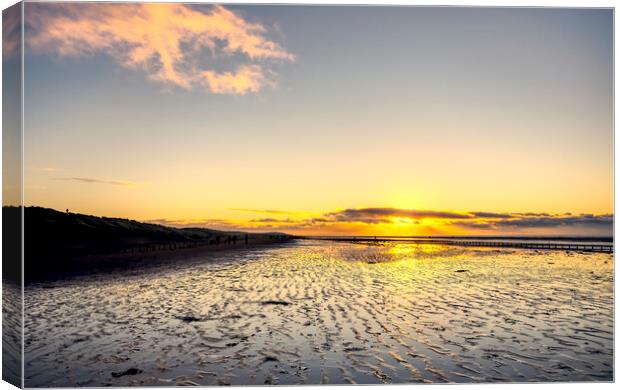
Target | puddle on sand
(322,312)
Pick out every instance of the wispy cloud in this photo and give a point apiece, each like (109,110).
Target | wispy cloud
(262,211)
(209,223)
(484,214)
(584,220)
(45,169)
(90,180)
(272,220)
(383,214)
(174,44)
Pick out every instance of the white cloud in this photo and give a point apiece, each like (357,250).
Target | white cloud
(173,44)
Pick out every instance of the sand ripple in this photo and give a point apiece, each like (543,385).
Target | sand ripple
(318,312)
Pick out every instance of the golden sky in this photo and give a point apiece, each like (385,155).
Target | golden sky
(322,120)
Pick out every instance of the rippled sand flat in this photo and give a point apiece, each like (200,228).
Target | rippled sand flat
(323,312)
(11,332)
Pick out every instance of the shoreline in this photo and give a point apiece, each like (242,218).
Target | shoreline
(506,243)
(145,259)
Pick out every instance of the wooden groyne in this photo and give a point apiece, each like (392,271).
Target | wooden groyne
(585,247)
(227,241)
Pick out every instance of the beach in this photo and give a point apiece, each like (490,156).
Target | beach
(311,312)
(205,194)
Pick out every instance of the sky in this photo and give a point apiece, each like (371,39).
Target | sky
(322,119)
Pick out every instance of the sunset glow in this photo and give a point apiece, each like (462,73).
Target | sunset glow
(322,120)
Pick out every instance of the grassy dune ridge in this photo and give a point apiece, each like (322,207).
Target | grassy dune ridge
(62,241)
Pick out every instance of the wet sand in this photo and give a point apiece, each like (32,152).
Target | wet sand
(322,312)
(11,332)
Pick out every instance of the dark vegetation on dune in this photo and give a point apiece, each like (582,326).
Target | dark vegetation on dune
(62,241)
(11,244)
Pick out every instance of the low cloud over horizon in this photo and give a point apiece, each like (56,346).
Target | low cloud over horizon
(386,220)
(174,44)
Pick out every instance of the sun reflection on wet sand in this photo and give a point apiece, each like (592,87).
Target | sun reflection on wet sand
(321,312)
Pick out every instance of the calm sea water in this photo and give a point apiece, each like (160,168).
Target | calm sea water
(322,312)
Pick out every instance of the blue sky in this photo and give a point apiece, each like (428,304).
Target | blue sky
(407,107)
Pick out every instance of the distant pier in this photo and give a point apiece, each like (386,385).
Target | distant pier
(585,247)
